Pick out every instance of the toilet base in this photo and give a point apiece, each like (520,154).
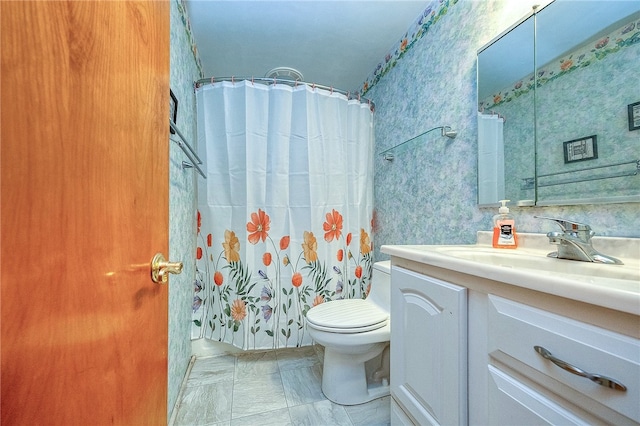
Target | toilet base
(344,376)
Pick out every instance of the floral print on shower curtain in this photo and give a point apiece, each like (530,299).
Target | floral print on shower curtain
(225,283)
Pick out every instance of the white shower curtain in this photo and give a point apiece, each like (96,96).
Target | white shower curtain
(285,215)
(491,186)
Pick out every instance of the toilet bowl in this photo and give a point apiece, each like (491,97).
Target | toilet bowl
(355,334)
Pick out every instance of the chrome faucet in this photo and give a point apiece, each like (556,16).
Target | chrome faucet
(574,242)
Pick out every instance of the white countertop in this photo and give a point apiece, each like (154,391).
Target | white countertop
(582,281)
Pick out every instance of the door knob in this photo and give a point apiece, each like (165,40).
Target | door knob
(160,268)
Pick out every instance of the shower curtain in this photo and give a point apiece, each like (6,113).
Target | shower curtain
(285,215)
(491,185)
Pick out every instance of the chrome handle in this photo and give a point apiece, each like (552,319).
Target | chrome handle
(597,378)
(579,229)
(160,268)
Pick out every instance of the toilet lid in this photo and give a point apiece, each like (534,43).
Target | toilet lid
(347,316)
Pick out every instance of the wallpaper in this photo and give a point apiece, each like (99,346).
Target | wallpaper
(182,219)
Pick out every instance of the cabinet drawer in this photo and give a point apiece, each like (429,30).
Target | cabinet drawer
(513,331)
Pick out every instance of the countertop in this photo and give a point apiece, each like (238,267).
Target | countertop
(581,281)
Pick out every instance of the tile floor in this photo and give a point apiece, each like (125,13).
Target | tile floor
(280,387)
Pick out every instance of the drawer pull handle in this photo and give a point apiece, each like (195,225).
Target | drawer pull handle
(601,380)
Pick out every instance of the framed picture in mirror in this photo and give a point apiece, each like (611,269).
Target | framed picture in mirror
(634,116)
(580,149)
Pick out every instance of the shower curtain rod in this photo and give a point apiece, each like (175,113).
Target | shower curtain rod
(293,83)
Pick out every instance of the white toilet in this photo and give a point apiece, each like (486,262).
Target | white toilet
(355,334)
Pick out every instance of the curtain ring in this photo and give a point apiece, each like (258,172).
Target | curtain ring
(296,85)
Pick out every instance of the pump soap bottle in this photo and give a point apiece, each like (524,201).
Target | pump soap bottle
(504,228)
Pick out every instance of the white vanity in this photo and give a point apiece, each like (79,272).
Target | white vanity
(491,336)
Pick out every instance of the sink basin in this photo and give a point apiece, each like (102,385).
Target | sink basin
(536,260)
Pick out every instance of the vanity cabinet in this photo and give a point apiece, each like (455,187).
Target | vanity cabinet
(428,350)
(463,352)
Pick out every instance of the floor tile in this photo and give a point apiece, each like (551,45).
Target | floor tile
(302,385)
(270,418)
(372,413)
(254,364)
(257,395)
(321,413)
(205,405)
(213,369)
(290,359)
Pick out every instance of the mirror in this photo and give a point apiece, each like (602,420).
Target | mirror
(568,131)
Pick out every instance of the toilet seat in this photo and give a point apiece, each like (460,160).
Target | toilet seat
(347,316)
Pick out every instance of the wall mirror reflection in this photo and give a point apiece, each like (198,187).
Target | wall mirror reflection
(559,103)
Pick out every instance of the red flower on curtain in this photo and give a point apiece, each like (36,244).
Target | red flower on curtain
(258,227)
(333,226)
(218,278)
(296,279)
(284,242)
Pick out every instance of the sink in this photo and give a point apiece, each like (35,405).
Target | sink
(537,260)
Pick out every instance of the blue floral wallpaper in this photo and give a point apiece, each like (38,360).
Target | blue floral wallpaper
(427,195)
(185,70)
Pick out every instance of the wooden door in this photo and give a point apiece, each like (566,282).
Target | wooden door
(84,209)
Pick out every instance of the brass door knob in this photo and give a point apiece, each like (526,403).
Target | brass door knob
(160,268)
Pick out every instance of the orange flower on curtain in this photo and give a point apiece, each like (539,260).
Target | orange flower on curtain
(231,246)
(333,226)
(258,227)
(310,247)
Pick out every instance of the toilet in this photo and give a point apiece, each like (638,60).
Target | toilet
(355,334)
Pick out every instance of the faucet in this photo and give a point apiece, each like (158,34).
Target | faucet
(574,242)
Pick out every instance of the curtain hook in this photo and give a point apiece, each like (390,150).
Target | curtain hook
(233,80)
(296,84)
(274,81)
(313,87)
(331,90)
(252,81)
(212,78)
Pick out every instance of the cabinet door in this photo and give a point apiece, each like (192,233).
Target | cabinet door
(429,348)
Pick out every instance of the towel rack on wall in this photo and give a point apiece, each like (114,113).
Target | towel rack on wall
(632,172)
(390,153)
(186,148)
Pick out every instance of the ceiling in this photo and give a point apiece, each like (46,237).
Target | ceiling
(335,43)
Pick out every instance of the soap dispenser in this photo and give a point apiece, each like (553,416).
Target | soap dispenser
(504,228)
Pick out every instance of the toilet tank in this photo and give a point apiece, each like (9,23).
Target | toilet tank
(380,293)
